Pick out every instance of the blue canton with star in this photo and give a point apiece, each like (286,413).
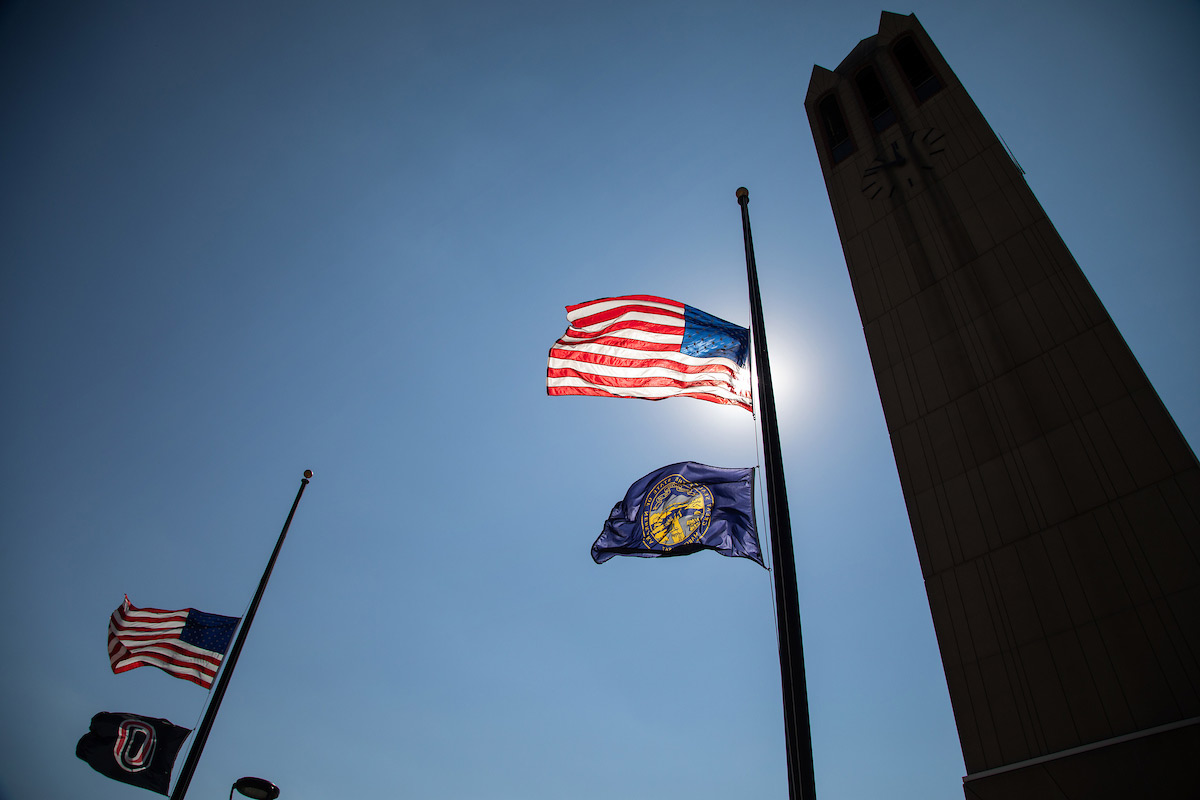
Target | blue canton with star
(706,336)
(210,631)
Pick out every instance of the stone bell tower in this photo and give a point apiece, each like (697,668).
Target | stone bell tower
(1054,504)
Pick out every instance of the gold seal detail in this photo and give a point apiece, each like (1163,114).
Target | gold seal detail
(675,512)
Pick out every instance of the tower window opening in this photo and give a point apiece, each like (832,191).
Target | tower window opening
(879,109)
(837,135)
(916,69)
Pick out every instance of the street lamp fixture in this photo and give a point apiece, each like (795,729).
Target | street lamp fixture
(257,788)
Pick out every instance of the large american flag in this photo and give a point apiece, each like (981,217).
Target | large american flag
(650,347)
(188,644)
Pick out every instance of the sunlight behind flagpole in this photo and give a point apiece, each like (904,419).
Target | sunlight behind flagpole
(792,367)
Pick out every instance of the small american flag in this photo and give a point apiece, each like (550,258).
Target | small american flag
(188,644)
(649,347)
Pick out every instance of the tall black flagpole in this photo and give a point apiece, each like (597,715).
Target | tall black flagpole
(797,733)
(214,705)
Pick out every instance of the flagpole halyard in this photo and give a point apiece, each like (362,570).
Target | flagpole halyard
(797,731)
(214,704)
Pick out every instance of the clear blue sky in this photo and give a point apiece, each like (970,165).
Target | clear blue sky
(244,239)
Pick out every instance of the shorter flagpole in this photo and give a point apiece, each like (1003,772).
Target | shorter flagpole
(214,705)
(797,731)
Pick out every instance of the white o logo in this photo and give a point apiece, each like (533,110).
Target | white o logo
(135,745)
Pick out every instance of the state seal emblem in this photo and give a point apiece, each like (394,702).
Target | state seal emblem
(676,512)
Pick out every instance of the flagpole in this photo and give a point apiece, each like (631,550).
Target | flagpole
(797,732)
(214,705)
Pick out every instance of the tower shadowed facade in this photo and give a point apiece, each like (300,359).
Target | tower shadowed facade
(1054,504)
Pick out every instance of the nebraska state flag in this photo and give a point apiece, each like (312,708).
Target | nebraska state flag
(682,508)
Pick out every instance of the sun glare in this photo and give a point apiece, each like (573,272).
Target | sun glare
(792,374)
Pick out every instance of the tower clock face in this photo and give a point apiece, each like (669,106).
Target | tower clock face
(906,166)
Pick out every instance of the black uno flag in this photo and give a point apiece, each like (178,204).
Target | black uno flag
(132,749)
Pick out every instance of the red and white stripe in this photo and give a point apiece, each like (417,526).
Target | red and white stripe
(139,637)
(629,347)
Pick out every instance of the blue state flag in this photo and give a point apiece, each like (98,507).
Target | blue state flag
(680,509)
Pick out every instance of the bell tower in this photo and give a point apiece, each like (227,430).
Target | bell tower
(1054,504)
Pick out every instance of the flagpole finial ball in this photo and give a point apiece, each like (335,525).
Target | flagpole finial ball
(743,193)
(308,473)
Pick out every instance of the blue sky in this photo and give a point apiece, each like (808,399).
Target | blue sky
(241,240)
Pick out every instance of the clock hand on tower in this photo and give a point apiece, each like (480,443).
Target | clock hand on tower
(879,163)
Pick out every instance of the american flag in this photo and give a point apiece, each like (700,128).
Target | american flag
(649,347)
(188,644)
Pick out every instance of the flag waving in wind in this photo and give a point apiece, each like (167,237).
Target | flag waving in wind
(132,749)
(188,644)
(650,348)
(682,508)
